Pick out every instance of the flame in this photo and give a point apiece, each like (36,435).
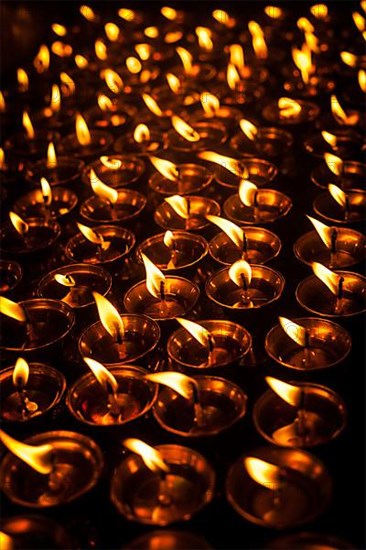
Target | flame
(51,156)
(362,80)
(237,56)
(304,25)
(38,457)
(104,102)
(109,316)
(151,32)
(179,205)
(230,164)
(232,76)
(363,5)
(168,239)
(224,18)
(21,373)
(210,103)
(112,31)
(143,51)
(154,277)
(55,98)
(6,541)
(87,12)
(303,61)
(110,163)
(93,236)
(46,191)
(247,192)
(248,128)
(146,75)
(42,60)
(2,102)
(67,84)
(334,163)
(198,332)
(232,231)
(152,105)
(204,36)
(258,41)
(58,29)
(28,126)
(312,42)
(101,189)
(273,12)
(320,11)
(324,232)
(151,457)
(82,130)
(65,280)
(169,13)
(359,21)
(2,159)
(133,65)
(296,332)
(263,472)
(173,82)
(12,309)
(327,276)
(338,194)
(172,37)
(113,80)
(289,393)
(186,58)
(81,61)
(329,138)
(126,14)
(104,377)
(349,59)
(239,269)
(184,129)
(100,50)
(23,80)
(61,49)
(166,168)
(141,133)
(182,384)
(288,107)
(339,113)
(20,225)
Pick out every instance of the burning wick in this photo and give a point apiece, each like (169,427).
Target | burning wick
(20,379)
(155,284)
(182,207)
(104,191)
(300,335)
(171,244)
(21,227)
(73,296)
(235,233)
(185,386)
(203,337)
(112,322)
(341,198)
(109,385)
(241,274)
(248,194)
(93,236)
(47,197)
(333,281)
(329,237)
(17,312)
(269,476)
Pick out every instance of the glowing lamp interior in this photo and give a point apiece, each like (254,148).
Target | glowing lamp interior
(133,65)
(232,76)
(87,12)
(169,13)
(258,40)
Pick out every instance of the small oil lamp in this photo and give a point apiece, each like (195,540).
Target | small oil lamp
(205,405)
(306,79)
(177,92)
(213,111)
(334,247)
(332,294)
(110,205)
(110,397)
(55,116)
(142,142)
(163,484)
(346,175)
(339,206)
(85,143)
(253,244)
(28,236)
(175,251)
(11,274)
(290,112)
(193,72)
(189,212)
(345,143)
(50,468)
(181,179)
(115,171)
(161,297)
(299,415)
(208,344)
(46,203)
(256,206)
(200,136)
(307,343)
(245,287)
(104,245)
(32,143)
(57,170)
(110,114)
(267,142)
(278,488)
(118,338)
(30,391)
(339,117)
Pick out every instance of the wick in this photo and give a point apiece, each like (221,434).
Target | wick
(113,406)
(31,334)
(278,490)
(333,248)
(164,497)
(162,291)
(244,247)
(300,420)
(339,300)
(210,348)
(199,417)
(245,295)
(256,207)
(307,349)
(346,209)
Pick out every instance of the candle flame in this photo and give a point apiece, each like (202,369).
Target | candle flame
(102,374)
(67,84)
(173,82)
(349,59)
(324,232)
(339,113)
(266,474)
(151,32)
(304,25)
(303,61)
(152,105)
(204,36)
(2,159)
(186,59)
(181,383)
(6,541)
(112,31)
(2,102)
(199,333)
(20,225)
(93,236)
(248,128)
(184,129)
(168,239)
(61,49)
(109,316)
(359,21)
(81,61)
(23,80)
(232,165)
(12,309)
(152,458)
(46,191)
(38,457)
(288,107)
(58,29)
(143,51)
(234,232)
(110,163)
(179,205)
(82,130)
(100,50)
(327,276)
(320,11)
(338,194)
(289,393)
(248,192)
(133,65)
(42,60)
(166,168)
(334,163)
(65,280)
(363,5)
(141,133)
(274,12)
(154,277)
(172,37)
(224,18)
(210,103)
(169,13)
(51,156)
(296,332)
(87,12)
(240,269)
(312,42)
(232,76)
(127,14)
(27,125)
(329,138)
(101,189)
(258,40)
(20,373)
(362,80)
(104,103)
(55,105)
